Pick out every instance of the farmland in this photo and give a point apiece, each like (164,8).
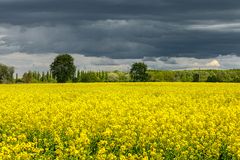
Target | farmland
(120,121)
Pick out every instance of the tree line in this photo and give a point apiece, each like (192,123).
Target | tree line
(232,75)
(63,70)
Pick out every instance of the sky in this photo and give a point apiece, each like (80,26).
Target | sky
(113,34)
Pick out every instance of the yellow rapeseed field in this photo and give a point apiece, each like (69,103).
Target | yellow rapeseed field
(120,121)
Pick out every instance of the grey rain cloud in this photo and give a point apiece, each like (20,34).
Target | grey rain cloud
(168,60)
(121,29)
(151,59)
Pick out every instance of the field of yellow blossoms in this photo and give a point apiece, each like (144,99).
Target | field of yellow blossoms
(120,121)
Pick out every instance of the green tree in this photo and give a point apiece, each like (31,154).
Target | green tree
(16,79)
(212,78)
(28,77)
(113,77)
(89,77)
(6,74)
(138,72)
(196,77)
(43,77)
(63,68)
(78,76)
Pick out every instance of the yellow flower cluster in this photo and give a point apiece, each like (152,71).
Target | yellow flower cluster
(120,121)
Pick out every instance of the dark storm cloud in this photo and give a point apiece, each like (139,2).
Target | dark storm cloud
(168,60)
(15,11)
(121,28)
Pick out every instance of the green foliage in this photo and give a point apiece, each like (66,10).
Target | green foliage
(113,77)
(225,153)
(36,77)
(213,78)
(117,76)
(6,74)
(163,76)
(138,72)
(153,76)
(89,77)
(27,77)
(63,68)
(194,76)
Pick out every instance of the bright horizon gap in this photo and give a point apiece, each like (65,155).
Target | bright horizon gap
(23,62)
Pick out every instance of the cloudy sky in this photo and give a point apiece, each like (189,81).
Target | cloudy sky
(112,34)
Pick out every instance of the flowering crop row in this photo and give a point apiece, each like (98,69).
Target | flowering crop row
(120,121)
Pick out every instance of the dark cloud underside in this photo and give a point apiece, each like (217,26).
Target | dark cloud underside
(121,28)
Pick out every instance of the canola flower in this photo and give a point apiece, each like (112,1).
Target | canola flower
(120,121)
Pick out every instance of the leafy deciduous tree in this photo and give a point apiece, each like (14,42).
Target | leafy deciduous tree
(6,74)
(63,68)
(138,72)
